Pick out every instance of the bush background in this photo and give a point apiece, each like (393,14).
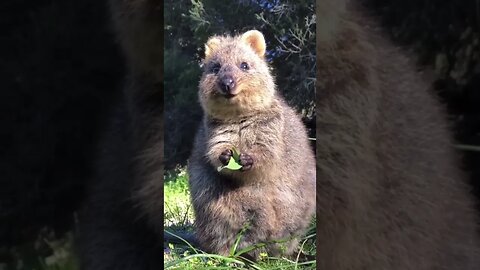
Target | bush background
(61,70)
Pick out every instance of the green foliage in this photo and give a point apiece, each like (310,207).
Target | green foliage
(181,108)
(191,258)
(178,211)
(291,28)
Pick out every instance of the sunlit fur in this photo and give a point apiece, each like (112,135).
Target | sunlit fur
(255,87)
(277,195)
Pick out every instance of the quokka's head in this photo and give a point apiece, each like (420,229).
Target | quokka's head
(236,80)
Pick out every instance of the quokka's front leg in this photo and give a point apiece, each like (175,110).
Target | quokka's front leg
(244,159)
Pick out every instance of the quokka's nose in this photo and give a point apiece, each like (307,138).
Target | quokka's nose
(227,84)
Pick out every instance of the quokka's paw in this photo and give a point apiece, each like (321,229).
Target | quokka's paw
(225,156)
(246,161)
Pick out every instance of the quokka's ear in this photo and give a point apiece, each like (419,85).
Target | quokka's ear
(210,46)
(256,41)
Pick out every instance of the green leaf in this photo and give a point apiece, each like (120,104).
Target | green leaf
(235,155)
(232,165)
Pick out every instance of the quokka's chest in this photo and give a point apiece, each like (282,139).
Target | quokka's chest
(240,134)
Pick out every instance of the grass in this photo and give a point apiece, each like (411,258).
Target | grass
(178,211)
(179,217)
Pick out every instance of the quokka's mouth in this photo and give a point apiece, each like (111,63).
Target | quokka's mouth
(229,95)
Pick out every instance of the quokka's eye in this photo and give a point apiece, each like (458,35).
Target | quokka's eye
(244,66)
(215,68)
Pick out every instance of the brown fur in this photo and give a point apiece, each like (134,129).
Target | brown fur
(277,194)
(138,24)
(390,191)
(121,222)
